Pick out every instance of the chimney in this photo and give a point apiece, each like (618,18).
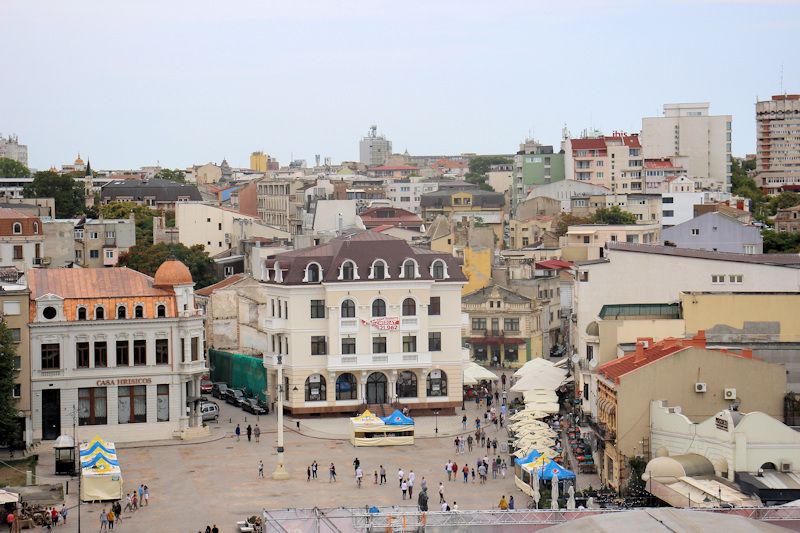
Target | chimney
(699,340)
(638,356)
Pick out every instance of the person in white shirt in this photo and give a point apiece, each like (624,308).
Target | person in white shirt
(445,507)
(359,476)
(400,476)
(454,507)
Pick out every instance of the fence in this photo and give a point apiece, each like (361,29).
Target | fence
(239,371)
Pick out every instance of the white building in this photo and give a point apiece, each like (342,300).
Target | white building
(678,207)
(406,195)
(565,190)
(11,149)
(704,140)
(374,149)
(122,351)
(778,149)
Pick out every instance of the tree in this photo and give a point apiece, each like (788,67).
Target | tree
(566,220)
(613,215)
(743,185)
(172,175)
(479,166)
(67,192)
(147,259)
(776,242)
(142,214)
(9,426)
(782,201)
(13,169)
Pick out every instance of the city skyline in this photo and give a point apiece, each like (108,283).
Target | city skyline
(186,83)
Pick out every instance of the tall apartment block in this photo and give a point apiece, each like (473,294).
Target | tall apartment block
(614,162)
(11,149)
(374,149)
(703,141)
(778,150)
(535,164)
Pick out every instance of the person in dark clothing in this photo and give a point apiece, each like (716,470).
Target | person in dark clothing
(422,500)
(249,432)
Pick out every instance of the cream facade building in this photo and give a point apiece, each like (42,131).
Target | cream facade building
(361,320)
(778,150)
(586,242)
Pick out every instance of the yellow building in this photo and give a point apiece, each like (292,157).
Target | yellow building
(259,161)
(586,242)
(475,206)
(474,245)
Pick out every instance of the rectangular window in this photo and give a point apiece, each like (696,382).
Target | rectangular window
(140,352)
(668,213)
(109,254)
(162,403)
(17,251)
(17,362)
(586,239)
(82,354)
(51,356)
(162,351)
(589,352)
(348,346)
(434,341)
(717,278)
(434,308)
(16,392)
(93,235)
(123,348)
(16,334)
(695,231)
(667,200)
(11,308)
(478,323)
(109,235)
(317,308)
(132,404)
(94,254)
(378,344)
(92,406)
(584,276)
(735,278)
(319,345)
(409,343)
(195,347)
(511,324)
(100,354)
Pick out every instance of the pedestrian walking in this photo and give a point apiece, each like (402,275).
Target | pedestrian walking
(454,470)
(111,517)
(135,501)
(424,484)
(482,473)
(128,503)
(359,476)
(63,512)
(249,432)
(238,432)
(447,469)
(488,446)
(503,380)
(469,443)
(404,488)
(412,477)
(103,520)
(257,433)
(400,476)
(314,467)
(464,421)
(483,439)
(422,500)
(511,503)
(477,423)
(441,492)
(261,469)
(146,495)
(494,446)
(503,468)
(465,470)
(376,477)
(494,470)
(141,495)
(473,475)
(356,463)
(410,487)
(455,442)
(383,475)
(308,473)
(331,473)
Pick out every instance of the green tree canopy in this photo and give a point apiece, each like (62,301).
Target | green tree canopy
(147,259)
(67,192)
(782,201)
(172,175)
(566,220)
(744,185)
(479,166)
(613,215)
(9,426)
(776,242)
(142,214)
(13,169)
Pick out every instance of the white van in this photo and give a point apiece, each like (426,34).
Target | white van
(209,410)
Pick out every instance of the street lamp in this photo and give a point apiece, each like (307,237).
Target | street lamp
(436,414)
(280,472)
(78,457)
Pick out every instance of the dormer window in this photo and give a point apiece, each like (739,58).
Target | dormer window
(122,312)
(161,311)
(17,228)
(410,269)
(379,270)
(81,313)
(313,273)
(348,271)
(100,313)
(138,311)
(439,270)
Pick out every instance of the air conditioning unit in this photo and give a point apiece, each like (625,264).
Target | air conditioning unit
(786,467)
(730,394)
(227,238)
(700,387)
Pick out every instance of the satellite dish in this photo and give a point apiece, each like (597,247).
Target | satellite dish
(575,358)
(593,363)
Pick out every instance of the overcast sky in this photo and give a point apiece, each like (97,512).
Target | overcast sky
(179,82)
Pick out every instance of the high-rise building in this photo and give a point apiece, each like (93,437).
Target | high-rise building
(613,162)
(535,164)
(259,161)
(778,151)
(11,149)
(374,149)
(687,130)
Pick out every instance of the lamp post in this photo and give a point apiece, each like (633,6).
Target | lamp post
(280,472)
(436,414)
(78,457)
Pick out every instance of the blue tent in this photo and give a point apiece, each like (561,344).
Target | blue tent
(397,419)
(551,467)
(532,456)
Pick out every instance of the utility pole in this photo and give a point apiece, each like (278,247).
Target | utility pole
(280,472)
(78,457)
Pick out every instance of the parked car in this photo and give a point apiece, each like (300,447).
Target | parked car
(209,410)
(218,390)
(235,397)
(263,404)
(205,385)
(251,406)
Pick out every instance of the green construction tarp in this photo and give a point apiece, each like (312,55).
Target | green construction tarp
(239,371)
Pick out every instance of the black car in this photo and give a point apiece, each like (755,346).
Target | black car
(251,406)
(218,390)
(235,397)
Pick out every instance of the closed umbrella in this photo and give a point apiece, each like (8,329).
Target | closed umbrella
(571,500)
(554,492)
(535,482)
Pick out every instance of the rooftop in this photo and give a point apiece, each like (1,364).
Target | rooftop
(91,283)
(206,291)
(785,260)
(616,311)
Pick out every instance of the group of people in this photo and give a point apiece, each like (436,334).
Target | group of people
(250,431)
(134,500)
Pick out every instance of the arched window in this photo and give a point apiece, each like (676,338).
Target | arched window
(409,307)
(17,228)
(315,388)
(436,383)
(99,313)
(312,273)
(379,307)
(346,387)
(138,311)
(438,269)
(379,270)
(348,309)
(81,313)
(409,269)
(406,384)
(36,228)
(348,271)
(121,311)
(161,311)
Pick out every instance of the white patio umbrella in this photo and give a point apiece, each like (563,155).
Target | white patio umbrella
(528,414)
(554,493)
(535,482)
(533,364)
(8,497)
(571,499)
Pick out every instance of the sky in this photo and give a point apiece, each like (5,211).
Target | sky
(182,82)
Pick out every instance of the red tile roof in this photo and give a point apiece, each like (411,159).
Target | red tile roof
(92,283)
(394,167)
(589,144)
(554,264)
(206,291)
(643,356)
(6,212)
(658,163)
(399,217)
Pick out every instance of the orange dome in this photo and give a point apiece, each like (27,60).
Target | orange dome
(172,272)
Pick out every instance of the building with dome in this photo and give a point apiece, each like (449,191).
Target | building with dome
(125,350)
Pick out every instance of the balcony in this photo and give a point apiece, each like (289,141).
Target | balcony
(602,430)
(273,324)
(49,373)
(379,361)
